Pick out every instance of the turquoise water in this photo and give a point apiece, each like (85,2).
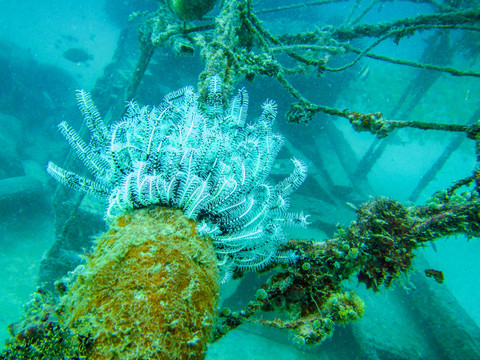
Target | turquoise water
(38,77)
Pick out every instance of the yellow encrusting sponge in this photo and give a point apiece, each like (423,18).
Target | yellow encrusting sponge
(148,291)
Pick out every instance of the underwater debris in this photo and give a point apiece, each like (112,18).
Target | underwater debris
(378,247)
(238,45)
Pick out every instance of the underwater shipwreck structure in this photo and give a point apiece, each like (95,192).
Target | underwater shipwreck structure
(190,203)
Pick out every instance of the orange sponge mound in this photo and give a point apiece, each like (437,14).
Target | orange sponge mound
(148,291)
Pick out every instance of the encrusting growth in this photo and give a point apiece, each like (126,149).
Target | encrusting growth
(149,290)
(189,202)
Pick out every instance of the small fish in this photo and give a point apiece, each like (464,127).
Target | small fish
(77,55)
(435,274)
(362,75)
(352,206)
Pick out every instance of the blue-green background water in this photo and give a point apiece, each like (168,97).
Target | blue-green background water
(37,83)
